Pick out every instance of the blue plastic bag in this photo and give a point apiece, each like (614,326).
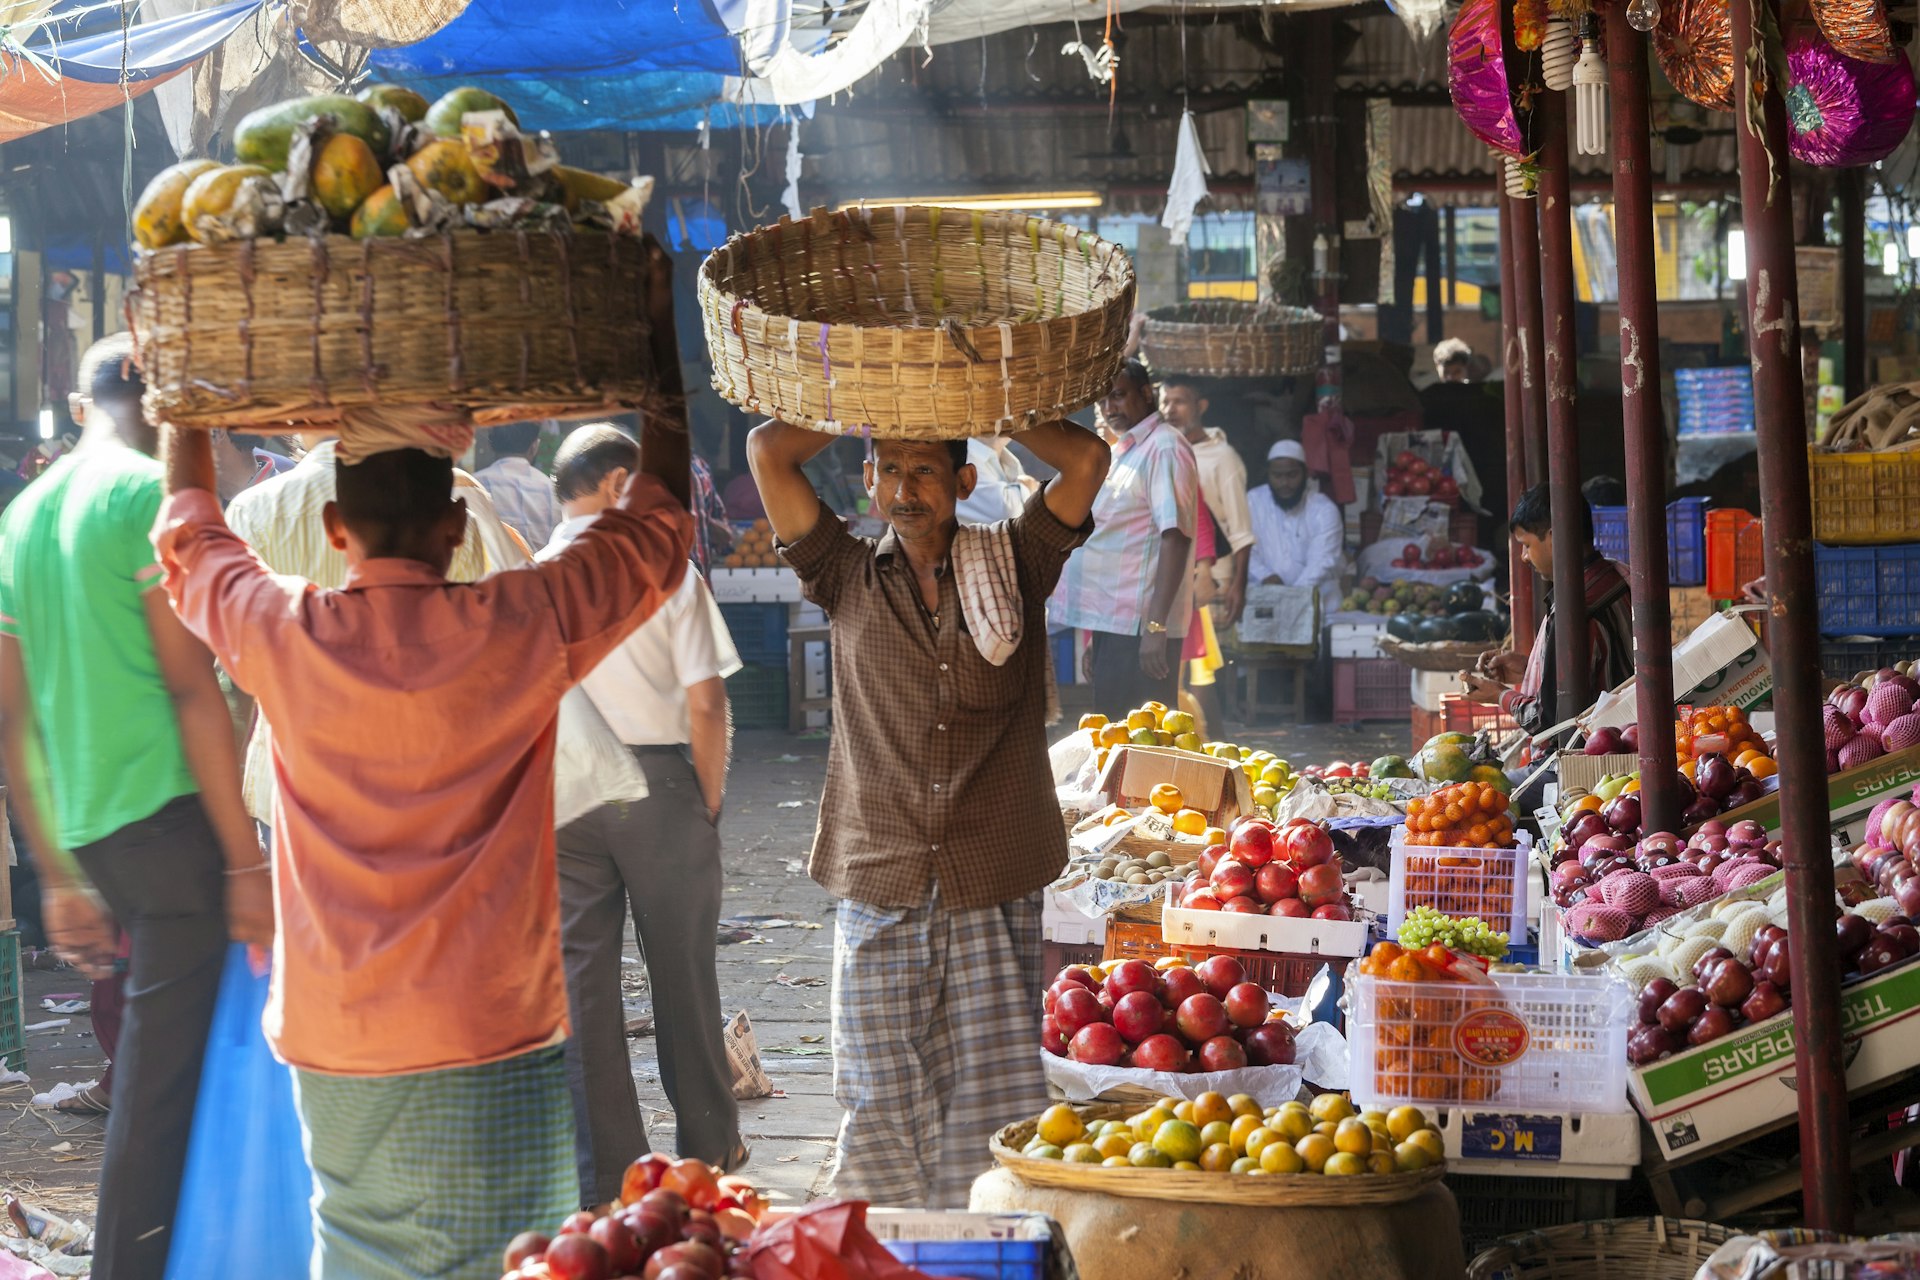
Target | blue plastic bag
(245,1199)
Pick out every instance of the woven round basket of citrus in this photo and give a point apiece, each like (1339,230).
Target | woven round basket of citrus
(1218,1149)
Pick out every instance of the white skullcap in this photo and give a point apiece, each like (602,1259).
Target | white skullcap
(1287,449)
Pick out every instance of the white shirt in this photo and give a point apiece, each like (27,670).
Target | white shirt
(1300,547)
(641,687)
(1223,483)
(998,493)
(523,495)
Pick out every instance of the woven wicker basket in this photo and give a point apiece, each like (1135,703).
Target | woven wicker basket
(1286,1190)
(915,322)
(508,324)
(1435,655)
(1222,338)
(1610,1249)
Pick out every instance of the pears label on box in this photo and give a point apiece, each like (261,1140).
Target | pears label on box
(1747,1081)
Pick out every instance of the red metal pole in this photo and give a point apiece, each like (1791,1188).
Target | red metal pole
(1519,576)
(1322,125)
(1528,329)
(1780,424)
(1642,417)
(1572,646)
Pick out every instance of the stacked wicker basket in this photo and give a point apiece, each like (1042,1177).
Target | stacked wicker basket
(1227,339)
(916,322)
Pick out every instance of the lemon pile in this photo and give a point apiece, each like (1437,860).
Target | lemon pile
(1217,1134)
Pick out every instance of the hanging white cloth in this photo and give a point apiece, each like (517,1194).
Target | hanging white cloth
(1189,185)
(790,194)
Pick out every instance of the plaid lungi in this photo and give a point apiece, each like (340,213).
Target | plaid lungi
(936,1021)
(430,1174)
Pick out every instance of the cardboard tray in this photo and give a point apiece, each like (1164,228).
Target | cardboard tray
(1216,788)
(1342,938)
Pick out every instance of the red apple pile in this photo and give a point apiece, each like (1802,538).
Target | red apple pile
(1410,475)
(675,1220)
(1199,1018)
(1615,886)
(1445,556)
(1728,992)
(1268,870)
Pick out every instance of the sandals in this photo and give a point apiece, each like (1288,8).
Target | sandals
(91,1101)
(736,1157)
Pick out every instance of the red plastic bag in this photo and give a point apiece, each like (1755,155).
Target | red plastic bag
(827,1241)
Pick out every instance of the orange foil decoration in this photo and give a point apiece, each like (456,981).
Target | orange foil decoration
(1856,28)
(1694,42)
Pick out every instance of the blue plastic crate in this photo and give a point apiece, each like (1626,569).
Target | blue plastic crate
(759,632)
(1868,591)
(974,1259)
(758,697)
(1686,539)
(1066,665)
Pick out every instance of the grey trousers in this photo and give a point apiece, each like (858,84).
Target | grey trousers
(662,856)
(162,878)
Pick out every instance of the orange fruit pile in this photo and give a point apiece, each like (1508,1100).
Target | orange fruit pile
(1466,815)
(1414,1053)
(1728,733)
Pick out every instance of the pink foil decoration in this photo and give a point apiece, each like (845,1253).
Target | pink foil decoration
(1477,77)
(1843,112)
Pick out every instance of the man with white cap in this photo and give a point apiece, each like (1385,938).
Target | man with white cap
(1297,533)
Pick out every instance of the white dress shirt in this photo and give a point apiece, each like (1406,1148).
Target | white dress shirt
(1300,547)
(523,495)
(641,687)
(1223,483)
(998,492)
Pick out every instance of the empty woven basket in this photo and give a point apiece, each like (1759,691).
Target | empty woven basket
(1222,338)
(916,322)
(1610,1249)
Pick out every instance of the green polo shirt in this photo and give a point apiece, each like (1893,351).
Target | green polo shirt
(75,560)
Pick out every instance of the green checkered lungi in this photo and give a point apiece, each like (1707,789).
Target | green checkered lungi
(429,1175)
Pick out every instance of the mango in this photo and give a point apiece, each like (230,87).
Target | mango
(447,167)
(344,174)
(212,193)
(443,117)
(381,214)
(411,106)
(157,219)
(265,136)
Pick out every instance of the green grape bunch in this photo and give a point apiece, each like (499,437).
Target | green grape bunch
(1424,926)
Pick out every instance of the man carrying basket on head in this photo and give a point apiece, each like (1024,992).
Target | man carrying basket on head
(417,982)
(938,825)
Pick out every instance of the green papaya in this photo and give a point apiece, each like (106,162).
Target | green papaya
(265,136)
(443,117)
(411,106)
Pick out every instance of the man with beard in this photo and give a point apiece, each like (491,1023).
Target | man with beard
(1297,533)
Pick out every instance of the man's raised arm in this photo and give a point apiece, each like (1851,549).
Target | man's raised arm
(776,451)
(1081,458)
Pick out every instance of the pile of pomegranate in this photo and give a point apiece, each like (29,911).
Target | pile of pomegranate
(675,1220)
(1410,475)
(1268,870)
(1199,1018)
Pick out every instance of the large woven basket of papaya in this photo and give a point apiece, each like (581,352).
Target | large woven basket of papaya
(916,322)
(1224,338)
(509,324)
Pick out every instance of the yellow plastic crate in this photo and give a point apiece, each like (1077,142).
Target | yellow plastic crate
(1864,498)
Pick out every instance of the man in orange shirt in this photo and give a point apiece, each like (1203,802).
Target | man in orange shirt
(417,982)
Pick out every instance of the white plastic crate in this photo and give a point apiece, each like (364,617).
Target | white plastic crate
(1238,932)
(1530,1042)
(1488,883)
(1061,921)
(1555,1145)
(1429,687)
(1355,639)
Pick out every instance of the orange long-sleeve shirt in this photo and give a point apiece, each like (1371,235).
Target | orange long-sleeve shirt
(413,744)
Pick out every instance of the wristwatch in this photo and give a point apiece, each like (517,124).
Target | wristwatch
(1156,628)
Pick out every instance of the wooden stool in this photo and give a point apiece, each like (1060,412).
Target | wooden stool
(1292,707)
(798,703)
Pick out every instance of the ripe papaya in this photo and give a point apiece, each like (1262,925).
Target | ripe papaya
(157,220)
(443,117)
(381,214)
(265,136)
(411,106)
(579,184)
(446,166)
(212,194)
(345,173)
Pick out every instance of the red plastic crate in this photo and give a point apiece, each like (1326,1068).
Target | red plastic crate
(1275,971)
(1426,724)
(1462,716)
(1736,552)
(1369,689)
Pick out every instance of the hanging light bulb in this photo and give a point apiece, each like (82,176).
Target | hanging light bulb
(1519,183)
(1890,259)
(1736,254)
(1913,241)
(1590,93)
(1558,49)
(1643,15)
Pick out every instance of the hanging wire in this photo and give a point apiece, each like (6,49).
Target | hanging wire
(126,97)
(1031,46)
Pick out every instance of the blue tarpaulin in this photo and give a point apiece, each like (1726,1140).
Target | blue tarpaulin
(532,39)
(150,50)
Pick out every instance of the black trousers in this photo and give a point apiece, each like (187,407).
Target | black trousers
(164,880)
(1119,685)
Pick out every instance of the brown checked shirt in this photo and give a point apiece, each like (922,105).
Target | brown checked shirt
(938,766)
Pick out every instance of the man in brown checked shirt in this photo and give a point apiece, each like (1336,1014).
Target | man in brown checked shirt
(938,826)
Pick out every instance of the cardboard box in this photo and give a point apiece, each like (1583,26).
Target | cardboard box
(1555,1145)
(1062,922)
(1851,795)
(1720,664)
(1583,772)
(955,1224)
(1746,1081)
(1344,938)
(1217,788)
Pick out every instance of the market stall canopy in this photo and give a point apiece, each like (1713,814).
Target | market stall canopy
(49,80)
